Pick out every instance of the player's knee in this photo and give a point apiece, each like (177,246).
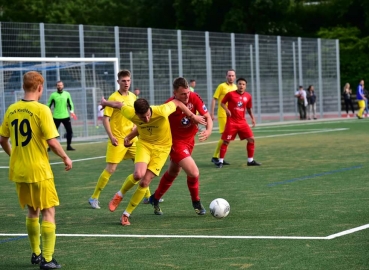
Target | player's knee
(174,171)
(226,142)
(193,174)
(110,170)
(137,175)
(144,183)
(251,140)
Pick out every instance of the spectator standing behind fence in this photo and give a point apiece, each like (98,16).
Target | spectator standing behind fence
(347,98)
(366,95)
(192,85)
(61,100)
(360,99)
(311,98)
(301,102)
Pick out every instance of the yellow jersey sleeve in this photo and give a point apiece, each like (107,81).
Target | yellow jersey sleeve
(128,112)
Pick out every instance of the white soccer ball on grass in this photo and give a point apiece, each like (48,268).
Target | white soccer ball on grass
(219,208)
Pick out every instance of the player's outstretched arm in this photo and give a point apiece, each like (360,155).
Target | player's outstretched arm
(113,104)
(4,142)
(58,150)
(198,119)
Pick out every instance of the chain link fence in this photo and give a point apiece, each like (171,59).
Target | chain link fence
(274,66)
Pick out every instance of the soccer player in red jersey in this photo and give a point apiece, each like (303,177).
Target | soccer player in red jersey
(183,137)
(238,102)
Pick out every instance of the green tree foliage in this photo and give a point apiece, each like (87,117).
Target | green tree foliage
(354,53)
(346,20)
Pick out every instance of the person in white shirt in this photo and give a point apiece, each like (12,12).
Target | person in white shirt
(301,102)
(100,116)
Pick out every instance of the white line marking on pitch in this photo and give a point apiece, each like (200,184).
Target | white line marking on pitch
(332,236)
(178,236)
(353,230)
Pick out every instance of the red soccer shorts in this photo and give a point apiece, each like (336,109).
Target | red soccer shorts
(232,129)
(180,150)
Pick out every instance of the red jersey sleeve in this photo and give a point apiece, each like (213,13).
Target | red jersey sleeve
(226,98)
(198,103)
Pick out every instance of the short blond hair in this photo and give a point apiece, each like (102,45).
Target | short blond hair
(31,81)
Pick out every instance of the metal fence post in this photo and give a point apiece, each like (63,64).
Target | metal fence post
(280,83)
(301,81)
(43,54)
(170,71)
(320,81)
(257,67)
(233,51)
(83,79)
(179,45)
(208,69)
(338,72)
(151,66)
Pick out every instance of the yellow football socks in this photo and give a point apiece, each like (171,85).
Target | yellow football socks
(128,184)
(217,150)
(136,198)
(48,239)
(33,230)
(148,193)
(101,183)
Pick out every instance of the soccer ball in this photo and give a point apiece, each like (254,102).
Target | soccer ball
(219,208)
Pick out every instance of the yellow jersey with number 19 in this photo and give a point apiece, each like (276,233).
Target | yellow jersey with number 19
(29,124)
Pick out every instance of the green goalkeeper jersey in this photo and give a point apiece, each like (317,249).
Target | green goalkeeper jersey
(61,101)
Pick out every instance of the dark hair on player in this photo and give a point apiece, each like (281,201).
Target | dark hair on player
(241,79)
(180,82)
(141,106)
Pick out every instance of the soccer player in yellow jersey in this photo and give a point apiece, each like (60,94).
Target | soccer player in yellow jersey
(117,127)
(219,94)
(30,127)
(153,146)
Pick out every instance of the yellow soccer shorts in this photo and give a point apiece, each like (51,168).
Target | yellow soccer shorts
(154,156)
(222,123)
(361,104)
(40,195)
(115,154)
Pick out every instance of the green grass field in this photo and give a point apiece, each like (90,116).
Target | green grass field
(306,207)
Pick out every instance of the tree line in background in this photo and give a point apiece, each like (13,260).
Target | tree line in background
(346,20)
